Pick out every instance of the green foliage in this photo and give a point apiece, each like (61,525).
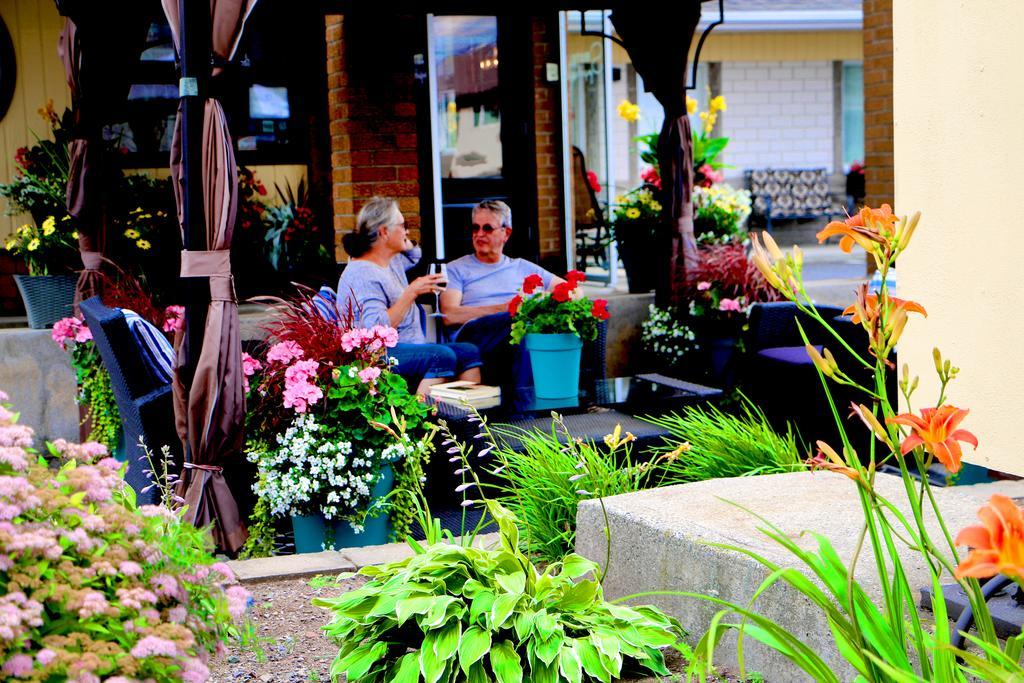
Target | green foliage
(721,444)
(542,487)
(261,529)
(97,395)
(460,613)
(409,474)
(293,241)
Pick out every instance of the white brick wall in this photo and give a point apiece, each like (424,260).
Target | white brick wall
(779,115)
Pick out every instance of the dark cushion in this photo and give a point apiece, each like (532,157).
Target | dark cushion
(156,352)
(792,355)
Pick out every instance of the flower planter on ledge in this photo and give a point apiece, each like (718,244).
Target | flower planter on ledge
(48,298)
(311,530)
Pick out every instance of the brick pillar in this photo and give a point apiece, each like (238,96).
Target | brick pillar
(546,125)
(373,135)
(878,96)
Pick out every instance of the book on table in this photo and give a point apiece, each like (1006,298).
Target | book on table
(462,390)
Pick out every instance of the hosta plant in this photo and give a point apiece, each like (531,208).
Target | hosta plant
(460,613)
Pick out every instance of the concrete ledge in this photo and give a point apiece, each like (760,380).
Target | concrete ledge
(37,375)
(660,542)
(329,561)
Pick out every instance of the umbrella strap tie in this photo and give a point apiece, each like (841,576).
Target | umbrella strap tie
(92,260)
(215,265)
(205,468)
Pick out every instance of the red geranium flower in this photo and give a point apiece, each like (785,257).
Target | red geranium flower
(575,277)
(514,304)
(562,292)
(600,309)
(593,182)
(531,283)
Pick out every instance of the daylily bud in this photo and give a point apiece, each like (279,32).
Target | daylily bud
(868,417)
(937,357)
(762,265)
(820,362)
(907,230)
(772,247)
(896,323)
(798,256)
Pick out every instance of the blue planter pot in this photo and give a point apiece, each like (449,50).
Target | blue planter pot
(556,364)
(311,530)
(722,352)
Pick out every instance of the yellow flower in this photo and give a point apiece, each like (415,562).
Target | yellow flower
(11,242)
(644,197)
(632,212)
(628,111)
(49,226)
(709,118)
(691,105)
(33,245)
(25,229)
(655,206)
(74,235)
(143,244)
(621,199)
(132,234)
(717,103)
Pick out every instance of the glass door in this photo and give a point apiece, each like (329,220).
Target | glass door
(481,144)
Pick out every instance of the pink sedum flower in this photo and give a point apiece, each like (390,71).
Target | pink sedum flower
(703,286)
(154,646)
(19,666)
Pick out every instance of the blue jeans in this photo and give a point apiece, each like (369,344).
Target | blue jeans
(504,364)
(417,362)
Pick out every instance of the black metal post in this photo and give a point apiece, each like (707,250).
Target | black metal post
(194,17)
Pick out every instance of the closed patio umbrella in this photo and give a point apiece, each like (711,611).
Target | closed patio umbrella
(209,402)
(658,43)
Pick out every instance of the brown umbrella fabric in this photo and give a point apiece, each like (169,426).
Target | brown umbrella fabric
(658,43)
(211,412)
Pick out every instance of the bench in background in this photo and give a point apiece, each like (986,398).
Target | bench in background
(790,194)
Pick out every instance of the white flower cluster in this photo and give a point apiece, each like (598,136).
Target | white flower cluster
(667,337)
(311,472)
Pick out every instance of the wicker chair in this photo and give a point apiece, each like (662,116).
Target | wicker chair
(145,404)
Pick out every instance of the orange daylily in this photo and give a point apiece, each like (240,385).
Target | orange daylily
(866,227)
(868,308)
(936,430)
(997,544)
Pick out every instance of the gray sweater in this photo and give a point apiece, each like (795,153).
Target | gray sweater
(370,291)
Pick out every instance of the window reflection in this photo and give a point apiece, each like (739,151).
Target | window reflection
(469,117)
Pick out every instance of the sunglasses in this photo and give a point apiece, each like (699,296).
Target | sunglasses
(487,228)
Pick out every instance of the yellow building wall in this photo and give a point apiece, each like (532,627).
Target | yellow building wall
(958,150)
(775,46)
(34,26)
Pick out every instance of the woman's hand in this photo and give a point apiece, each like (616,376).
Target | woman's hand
(427,284)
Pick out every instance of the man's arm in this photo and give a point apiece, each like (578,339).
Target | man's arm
(457,314)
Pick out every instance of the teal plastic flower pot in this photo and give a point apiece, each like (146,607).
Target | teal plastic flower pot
(311,530)
(556,364)
(375,529)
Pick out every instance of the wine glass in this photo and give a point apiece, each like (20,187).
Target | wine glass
(442,270)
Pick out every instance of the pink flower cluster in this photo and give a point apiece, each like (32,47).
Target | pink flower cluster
(174,318)
(284,352)
(729,305)
(299,390)
(250,366)
(70,330)
(73,549)
(370,339)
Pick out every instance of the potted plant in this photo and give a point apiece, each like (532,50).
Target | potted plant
(554,325)
(321,399)
(48,290)
(720,213)
(702,337)
(293,241)
(636,216)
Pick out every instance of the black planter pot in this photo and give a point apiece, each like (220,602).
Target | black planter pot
(637,249)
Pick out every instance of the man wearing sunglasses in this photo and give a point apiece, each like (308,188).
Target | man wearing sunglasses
(480,285)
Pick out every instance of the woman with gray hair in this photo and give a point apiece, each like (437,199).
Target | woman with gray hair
(374,289)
